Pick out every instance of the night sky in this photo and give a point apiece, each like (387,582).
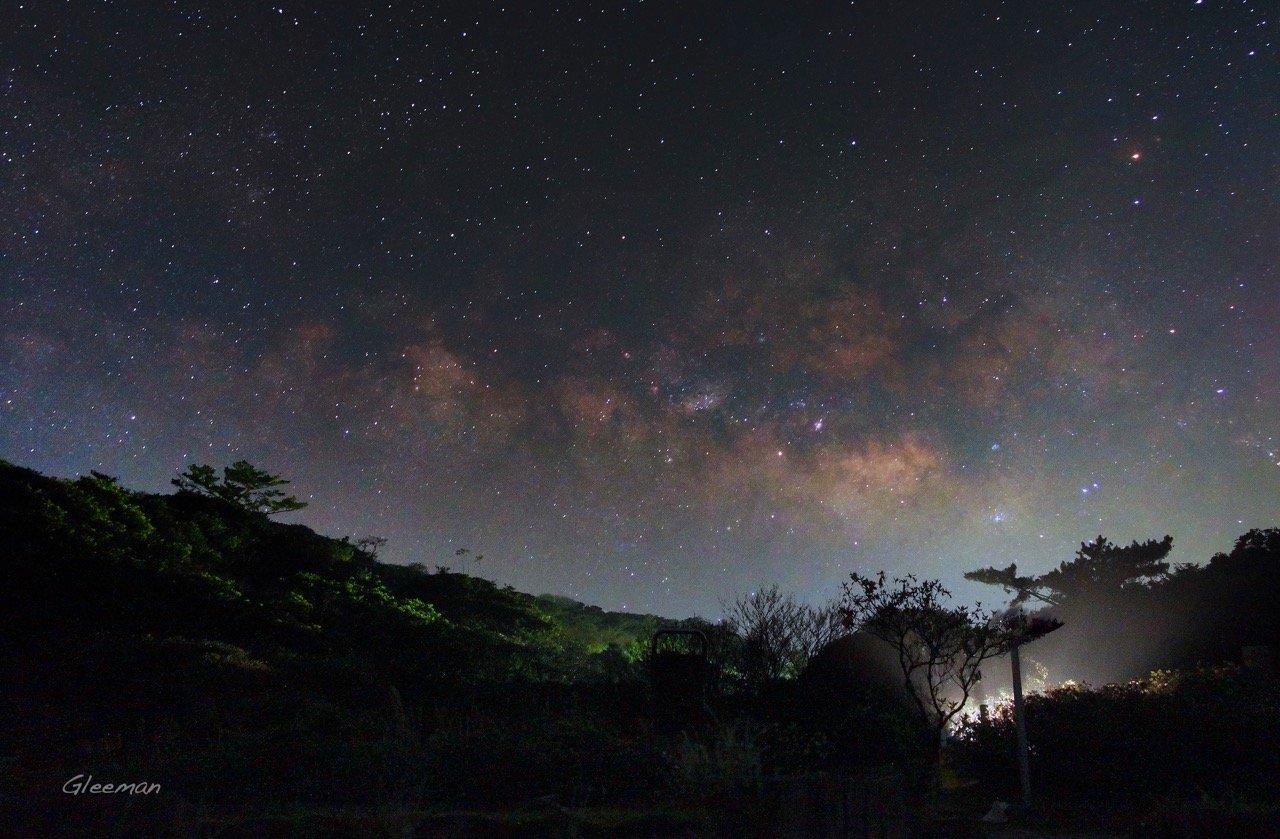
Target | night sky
(652,303)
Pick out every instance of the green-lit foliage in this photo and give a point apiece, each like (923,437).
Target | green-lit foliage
(363,589)
(596,630)
(254,667)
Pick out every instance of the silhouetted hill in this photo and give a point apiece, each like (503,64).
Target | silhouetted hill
(274,681)
(89,558)
(134,617)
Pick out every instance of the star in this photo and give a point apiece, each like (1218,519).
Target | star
(647,282)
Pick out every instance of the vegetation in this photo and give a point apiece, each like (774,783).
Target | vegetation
(1197,738)
(1099,570)
(242,484)
(940,648)
(276,681)
(244,663)
(780,636)
(599,632)
(1126,612)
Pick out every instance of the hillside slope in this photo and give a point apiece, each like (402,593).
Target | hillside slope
(181,639)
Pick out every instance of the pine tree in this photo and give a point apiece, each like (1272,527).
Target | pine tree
(242,484)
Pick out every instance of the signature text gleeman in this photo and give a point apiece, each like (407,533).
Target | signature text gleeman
(84,784)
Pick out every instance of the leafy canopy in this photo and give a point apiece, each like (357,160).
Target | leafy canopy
(1100,567)
(242,484)
(940,647)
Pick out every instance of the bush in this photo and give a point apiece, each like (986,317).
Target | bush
(496,758)
(1172,733)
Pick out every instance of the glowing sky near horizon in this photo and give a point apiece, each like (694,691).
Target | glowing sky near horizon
(653,303)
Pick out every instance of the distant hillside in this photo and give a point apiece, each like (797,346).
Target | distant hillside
(130,614)
(276,682)
(595,629)
(90,558)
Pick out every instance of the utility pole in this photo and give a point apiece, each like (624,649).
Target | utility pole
(1020,722)
(1022,629)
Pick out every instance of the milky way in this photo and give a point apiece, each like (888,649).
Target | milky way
(652,303)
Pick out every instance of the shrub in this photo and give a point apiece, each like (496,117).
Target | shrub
(1170,733)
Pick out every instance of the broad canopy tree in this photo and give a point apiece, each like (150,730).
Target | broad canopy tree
(1099,569)
(1108,593)
(940,647)
(241,484)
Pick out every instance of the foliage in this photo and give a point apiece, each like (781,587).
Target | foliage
(779,635)
(940,647)
(1114,600)
(724,653)
(1217,609)
(364,589)
(1211,729)
(88,557)
(1023,588)
(1101,567)
(724,763)
(242,661)
(1127,612)
(241,484)
(254,667)
(597,630)
(371,545)
(504,749)
(1098,569)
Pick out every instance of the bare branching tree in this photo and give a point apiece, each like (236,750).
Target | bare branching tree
(819,626)
(779,635)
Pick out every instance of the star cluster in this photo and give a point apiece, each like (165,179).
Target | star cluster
(652,303)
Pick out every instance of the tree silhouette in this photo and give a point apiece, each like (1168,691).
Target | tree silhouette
(370,545)
(1100,568)
(1022,588)
(241,484)
(940,647)
(780,636)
